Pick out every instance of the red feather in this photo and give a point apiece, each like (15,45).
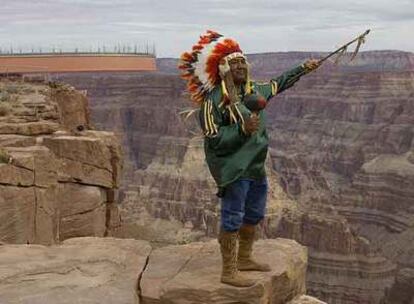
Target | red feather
(204,40)
(184,66)
(197,47)
(186,56)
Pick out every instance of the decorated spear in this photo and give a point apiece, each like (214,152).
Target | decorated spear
(342,49)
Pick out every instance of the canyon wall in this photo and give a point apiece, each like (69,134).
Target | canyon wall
(341,164)
(58,177)
(343,145)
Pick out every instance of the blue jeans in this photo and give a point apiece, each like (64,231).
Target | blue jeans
(244,202)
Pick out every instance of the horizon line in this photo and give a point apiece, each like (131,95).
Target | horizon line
(313,52)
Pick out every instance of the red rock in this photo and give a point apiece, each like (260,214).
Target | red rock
(54,184)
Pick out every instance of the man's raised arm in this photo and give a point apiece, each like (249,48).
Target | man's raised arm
(287,79)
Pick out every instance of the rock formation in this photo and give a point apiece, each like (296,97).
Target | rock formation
(58,178)
(191,274)
(81,270)
(108,270)
(344,138)
(341,149)
(305,300)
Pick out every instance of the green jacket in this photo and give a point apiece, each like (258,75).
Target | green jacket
(230,154)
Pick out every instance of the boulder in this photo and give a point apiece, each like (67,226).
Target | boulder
(58,179)
(73,107)
(82,210)
(191,274)
(83,159)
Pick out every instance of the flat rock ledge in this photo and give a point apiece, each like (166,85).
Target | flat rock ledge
(94,270)
(303,299)
(80,271)
(190,274)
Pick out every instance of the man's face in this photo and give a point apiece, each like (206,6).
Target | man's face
(238,69)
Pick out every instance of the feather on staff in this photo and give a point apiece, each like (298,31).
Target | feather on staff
(342,49)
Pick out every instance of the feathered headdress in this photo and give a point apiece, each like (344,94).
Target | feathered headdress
(202,66)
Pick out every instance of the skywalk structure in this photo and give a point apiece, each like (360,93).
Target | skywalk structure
(67,62)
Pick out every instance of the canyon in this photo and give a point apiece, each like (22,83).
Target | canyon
(341,166)
(59,181)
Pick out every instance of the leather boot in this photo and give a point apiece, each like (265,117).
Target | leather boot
(228,247)
(245,260)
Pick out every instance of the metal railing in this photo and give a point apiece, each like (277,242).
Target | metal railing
(118,50)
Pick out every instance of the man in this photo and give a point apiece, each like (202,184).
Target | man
(236,141)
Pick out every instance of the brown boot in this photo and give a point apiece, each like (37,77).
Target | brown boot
(245,261)
(230,275)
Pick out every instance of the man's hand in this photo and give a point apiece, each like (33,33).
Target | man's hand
(311,64)
(251,124)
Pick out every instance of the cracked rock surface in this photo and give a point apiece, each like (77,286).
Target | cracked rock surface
(191,274)
(58,178)
(124,271)
(81,270)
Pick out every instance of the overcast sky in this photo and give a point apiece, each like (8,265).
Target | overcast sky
(174,26)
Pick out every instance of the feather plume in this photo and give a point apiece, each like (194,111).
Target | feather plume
(200,66)
(361,41)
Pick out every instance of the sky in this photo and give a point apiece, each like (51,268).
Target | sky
(174,26)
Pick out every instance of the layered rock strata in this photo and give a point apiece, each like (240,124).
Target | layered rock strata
(341,144)
(58,179)
(344,141)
